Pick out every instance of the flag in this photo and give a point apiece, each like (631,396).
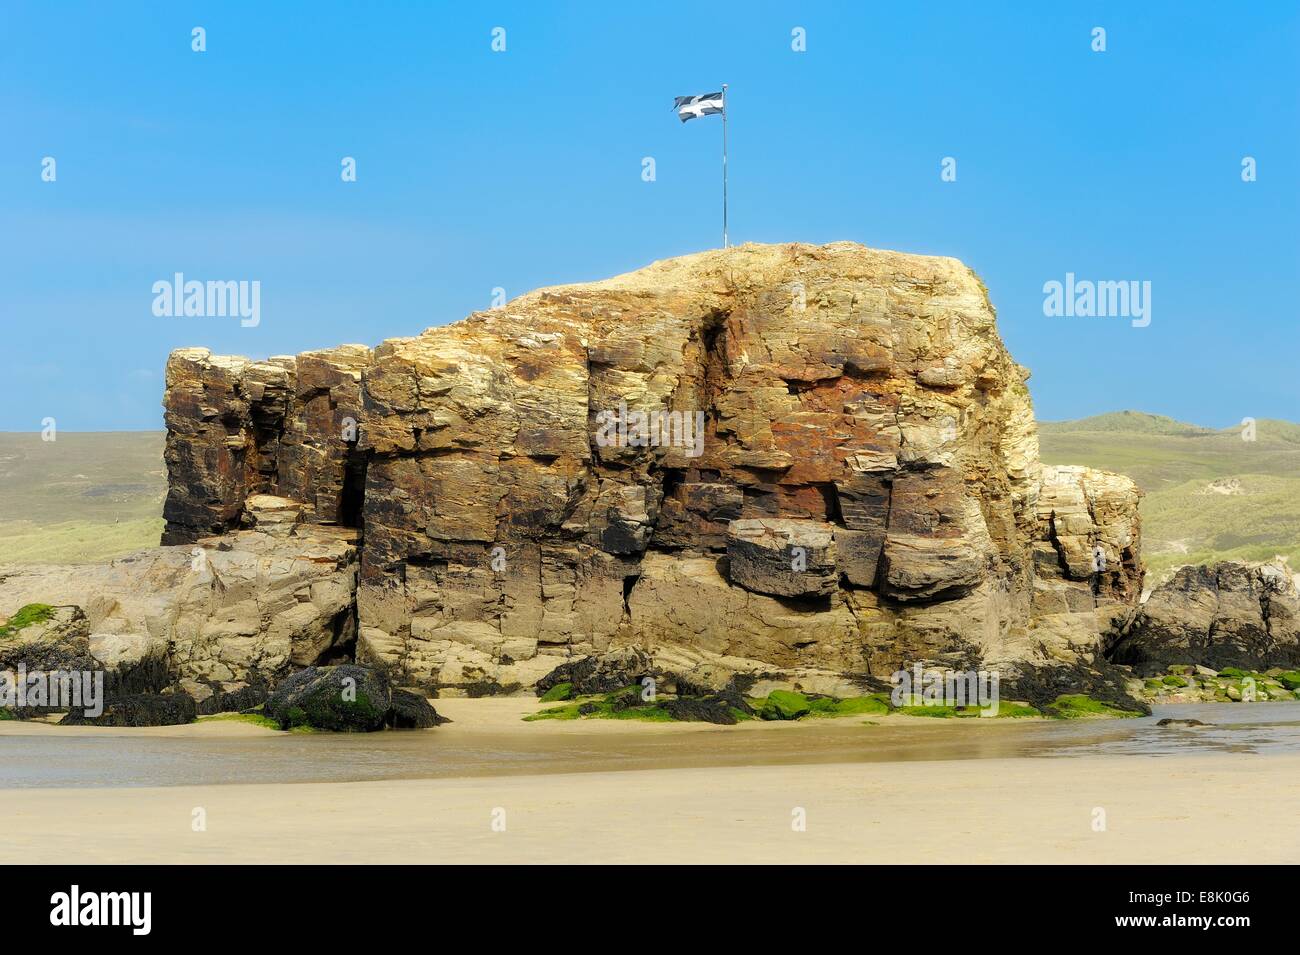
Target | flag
(692,107)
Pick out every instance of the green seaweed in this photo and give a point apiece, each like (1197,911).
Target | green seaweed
(784,705)
(603,708)
(24,617)
(561,691)
(255,719)
(829,706)
(1073,706)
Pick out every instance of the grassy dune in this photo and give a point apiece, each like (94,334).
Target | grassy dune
(1209,494)
(81,498)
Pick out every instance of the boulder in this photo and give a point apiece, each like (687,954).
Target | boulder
(600,674)
(784,705)
(409,710)
(343,698)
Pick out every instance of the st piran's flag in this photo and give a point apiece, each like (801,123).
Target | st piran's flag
(692,107)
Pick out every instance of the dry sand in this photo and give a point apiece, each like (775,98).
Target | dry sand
(1233,807)
(1193,809)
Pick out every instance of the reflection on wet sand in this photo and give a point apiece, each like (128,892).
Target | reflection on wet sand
(57,759)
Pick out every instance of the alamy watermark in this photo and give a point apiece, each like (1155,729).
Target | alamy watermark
(922,687)
(58,689)
(193,299)
(1084,298)
(622,428)
(75,907)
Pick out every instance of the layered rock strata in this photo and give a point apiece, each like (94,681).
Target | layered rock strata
(815,459)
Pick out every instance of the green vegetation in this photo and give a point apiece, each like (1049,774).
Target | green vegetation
(1210,496)
(786,705)
(826,706)
(561,691)
(1005,711)
(1073,706)
(782,705)
(1174,680)
(25,617)
(81,498)
(255,719)
(605,708)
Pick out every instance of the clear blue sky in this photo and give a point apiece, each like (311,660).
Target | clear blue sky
(518,169)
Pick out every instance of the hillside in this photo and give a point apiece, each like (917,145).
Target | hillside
(83,497)
(1210,495)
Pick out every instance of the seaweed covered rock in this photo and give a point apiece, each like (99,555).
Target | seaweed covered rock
(411,711)
(600,674)
(343,698)
(784,705)
(141,709)
(39,636)
(1094,680)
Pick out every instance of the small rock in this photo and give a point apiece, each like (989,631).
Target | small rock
(600,674)
(411,711)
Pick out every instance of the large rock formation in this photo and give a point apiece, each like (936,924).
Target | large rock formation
(1229,614)
(769,457)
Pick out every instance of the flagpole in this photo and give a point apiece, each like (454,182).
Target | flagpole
(724,165)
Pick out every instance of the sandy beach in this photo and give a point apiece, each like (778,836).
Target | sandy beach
(1230,810)
(568,806)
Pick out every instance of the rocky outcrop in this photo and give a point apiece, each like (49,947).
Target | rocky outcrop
(819,460)
(237,428)
(1229,614)
(794,456)
(219,615)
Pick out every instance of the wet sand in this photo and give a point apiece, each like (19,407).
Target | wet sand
(888,790)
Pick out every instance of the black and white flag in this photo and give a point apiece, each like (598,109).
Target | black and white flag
(692,107)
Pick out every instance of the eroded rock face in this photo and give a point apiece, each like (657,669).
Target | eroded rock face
(1229,614)
(237,428)
(219,614)
(626,464)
